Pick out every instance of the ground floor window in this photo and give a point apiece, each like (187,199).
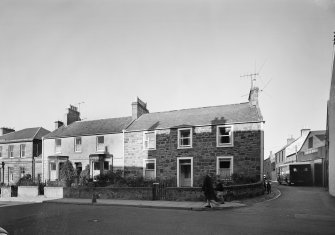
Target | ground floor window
(10,174)
(224,167)
(22,172)
(149,169)
(96,166)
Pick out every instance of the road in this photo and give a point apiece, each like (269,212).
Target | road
(300,210)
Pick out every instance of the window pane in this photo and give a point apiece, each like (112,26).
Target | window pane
(185,141)
(150,166)
(225,139)
(53,166)
(224,164)
(100,139)
(78,141)
(96,166)
(224,130)
(185,133)
(106,166)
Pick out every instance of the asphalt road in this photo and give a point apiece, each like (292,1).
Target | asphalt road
(300,210)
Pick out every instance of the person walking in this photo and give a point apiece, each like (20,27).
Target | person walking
(209,192)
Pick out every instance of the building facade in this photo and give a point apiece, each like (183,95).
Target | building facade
(184,145)
(20,154)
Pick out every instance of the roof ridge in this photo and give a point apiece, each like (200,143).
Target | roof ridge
(204,107)
(100,119)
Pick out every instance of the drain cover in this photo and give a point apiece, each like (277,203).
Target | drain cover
(94,220)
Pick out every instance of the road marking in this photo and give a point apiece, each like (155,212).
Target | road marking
(315,217)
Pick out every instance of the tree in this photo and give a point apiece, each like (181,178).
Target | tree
(67,173)
(84,176)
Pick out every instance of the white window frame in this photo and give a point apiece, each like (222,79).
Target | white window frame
(11,174)
(231,158)
(11,153)
(148,140)
(99,145)
(191,138)
(58,148)
(145,166)
(231,144)
(22,150)
(178,173)
(76,145)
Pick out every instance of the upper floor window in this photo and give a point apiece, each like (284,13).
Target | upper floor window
(310,142)
(11,151)
(100,143)
(149,169)
(185,138)
(77,144)
(224,136)
(149,140)
(58,145)
(22,150)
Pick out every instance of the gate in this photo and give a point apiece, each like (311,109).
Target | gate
(159,191)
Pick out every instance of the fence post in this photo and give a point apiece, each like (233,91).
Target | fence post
(154,191)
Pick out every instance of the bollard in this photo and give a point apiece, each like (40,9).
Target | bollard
(94,198)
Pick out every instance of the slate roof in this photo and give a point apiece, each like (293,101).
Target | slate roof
(28,134)
(214,115)
(93,127)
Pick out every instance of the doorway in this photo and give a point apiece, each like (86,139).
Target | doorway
(185,172)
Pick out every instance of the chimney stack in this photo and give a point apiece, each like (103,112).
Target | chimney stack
(290,140)
(138,108)
(253,96)
(5,130)
(58,124)
(72,115)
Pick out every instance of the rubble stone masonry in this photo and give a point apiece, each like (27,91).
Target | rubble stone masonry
(246,152)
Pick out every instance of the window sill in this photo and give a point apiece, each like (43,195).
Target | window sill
(186,147)
(224,145)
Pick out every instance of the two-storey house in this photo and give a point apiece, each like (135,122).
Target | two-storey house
(20,154)
(184,145)
(97,143)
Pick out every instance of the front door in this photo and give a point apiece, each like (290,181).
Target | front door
(185,173)
(53,172)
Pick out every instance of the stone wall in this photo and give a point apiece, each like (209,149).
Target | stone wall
(170,193)
(246,152)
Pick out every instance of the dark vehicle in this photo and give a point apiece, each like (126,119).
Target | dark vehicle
(295,174)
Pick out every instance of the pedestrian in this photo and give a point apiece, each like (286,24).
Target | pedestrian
(209,192)
(219,191)
(268,186)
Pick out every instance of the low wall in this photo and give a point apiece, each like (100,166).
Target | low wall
(6,192)
(170,193)
(126,193)
(54,192)
(27,191)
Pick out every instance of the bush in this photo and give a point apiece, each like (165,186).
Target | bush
(26,180)
(67,173)
(84,176)
(108,178)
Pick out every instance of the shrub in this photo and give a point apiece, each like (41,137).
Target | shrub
(108,178)
(67,173)
(26,180)
(84,176)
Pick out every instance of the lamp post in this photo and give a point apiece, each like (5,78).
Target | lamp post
(3,172)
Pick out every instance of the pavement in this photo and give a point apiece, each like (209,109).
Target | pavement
(181,205)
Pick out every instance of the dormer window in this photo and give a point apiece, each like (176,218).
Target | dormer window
(100,143)
(185,138)
(224,136)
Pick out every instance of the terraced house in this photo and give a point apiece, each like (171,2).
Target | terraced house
(184,145)
(97,143)
(21,154)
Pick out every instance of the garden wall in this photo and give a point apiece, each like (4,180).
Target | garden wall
(169,193)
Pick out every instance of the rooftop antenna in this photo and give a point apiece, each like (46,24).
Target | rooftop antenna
(82,102)
(252,78)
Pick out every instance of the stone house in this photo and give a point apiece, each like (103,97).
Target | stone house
(183,145)
(97,143)
(21,154)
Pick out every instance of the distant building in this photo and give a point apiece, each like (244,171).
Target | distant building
(20,151)
(267,169)
(309,148)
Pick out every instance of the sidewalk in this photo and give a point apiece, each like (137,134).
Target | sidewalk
(181,205)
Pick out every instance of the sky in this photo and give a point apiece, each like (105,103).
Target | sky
(172,54)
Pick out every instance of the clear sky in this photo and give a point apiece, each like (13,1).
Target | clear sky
(173,54)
